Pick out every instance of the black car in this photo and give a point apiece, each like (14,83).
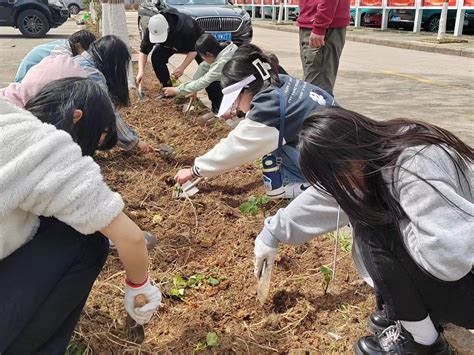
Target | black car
(34,18)
(219,17)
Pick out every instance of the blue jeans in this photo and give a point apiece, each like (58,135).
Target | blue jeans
(290,167)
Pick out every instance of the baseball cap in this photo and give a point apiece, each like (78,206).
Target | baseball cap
(232,92)
(158,27)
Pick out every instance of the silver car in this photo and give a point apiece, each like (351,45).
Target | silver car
(74,6)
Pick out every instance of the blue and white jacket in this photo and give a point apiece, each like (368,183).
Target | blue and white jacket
(258,133)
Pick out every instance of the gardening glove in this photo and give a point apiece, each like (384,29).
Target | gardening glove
(142,315)
(263,252)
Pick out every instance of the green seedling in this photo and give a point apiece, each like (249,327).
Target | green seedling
(211,340)
(175,81)
(253,205)
(75,348)
(345,242)
(327,277)
(180,284)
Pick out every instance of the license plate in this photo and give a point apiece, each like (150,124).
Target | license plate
(223,36)
(395,18)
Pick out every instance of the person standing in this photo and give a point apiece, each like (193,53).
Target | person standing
(168,33)
(322,26)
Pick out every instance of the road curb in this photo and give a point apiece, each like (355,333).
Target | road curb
(361,38)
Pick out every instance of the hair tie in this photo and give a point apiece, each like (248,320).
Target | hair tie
(263,68)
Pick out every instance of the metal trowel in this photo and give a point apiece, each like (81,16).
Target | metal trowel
(263,282)
(140,93)
(187,190)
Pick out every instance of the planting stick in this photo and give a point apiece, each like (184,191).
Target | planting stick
(334,261)
(135,331)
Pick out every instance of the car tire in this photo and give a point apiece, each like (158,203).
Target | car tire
(74,9)
(432,25)
(32,23)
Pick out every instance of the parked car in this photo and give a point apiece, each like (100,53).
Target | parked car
(368,17)
(74,6)
(429,19)
(219,17)
(34,18)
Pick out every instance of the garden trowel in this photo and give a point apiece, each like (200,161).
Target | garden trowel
(263,282)
(187,190)
(140,93)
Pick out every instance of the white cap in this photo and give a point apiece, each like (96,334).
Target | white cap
(232,92)
(158,27)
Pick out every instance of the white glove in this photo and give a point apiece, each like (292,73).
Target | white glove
(263,252)
(142,315)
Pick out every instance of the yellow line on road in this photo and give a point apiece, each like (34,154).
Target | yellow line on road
(416,78)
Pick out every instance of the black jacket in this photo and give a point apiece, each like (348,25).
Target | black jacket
(183,33)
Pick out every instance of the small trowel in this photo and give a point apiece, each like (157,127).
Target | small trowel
(140,93)
(187,190)
(263,282)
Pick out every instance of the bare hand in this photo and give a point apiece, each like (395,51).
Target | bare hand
(183,176)
(316,41)
(178,72)
(170,91)
(144,148)
(139,79)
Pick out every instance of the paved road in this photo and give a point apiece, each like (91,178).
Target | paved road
(381,82)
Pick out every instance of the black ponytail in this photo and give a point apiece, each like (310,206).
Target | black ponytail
(250,60)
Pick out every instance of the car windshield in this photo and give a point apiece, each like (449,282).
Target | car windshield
(197,2)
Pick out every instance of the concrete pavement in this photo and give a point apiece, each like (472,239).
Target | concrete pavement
(381,82)
(391,38)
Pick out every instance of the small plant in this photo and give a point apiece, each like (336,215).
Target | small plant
(180,284)
(175,81)
(75,348)
(345,242)
(211,340)
(253,205)
(327,277)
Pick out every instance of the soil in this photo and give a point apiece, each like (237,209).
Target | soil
(208,235)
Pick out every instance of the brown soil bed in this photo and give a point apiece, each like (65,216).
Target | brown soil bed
(209,235)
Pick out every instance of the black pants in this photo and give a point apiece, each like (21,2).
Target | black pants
(408,292)
(159,60)
(44,286)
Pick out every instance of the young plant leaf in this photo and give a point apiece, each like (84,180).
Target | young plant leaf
(213,281)
(212,339)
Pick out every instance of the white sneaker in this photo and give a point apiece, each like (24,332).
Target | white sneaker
(289,191)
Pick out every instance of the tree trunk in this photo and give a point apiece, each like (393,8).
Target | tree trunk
(443,20)
(114,22)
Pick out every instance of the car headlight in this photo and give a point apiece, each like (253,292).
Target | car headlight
(245,16)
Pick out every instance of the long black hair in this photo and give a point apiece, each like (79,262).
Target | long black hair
(112,57)
(335,142)
(241,66)
(83,37)
(56,102)
(207,43)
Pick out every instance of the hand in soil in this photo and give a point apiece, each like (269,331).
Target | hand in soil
(183,176)
(170,91)
(144,148)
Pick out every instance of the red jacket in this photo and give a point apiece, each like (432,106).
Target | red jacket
(323,14)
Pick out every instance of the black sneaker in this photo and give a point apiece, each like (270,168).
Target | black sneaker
(378,321)
(397,340)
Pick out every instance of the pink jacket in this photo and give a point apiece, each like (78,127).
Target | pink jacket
(323,14)
(49,69)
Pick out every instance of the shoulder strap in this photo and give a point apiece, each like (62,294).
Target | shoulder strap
(281,133)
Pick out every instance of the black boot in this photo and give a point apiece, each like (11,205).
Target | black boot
(397,340)
(378,321)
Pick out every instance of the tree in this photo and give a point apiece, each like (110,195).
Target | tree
(443,20)
(114,22)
